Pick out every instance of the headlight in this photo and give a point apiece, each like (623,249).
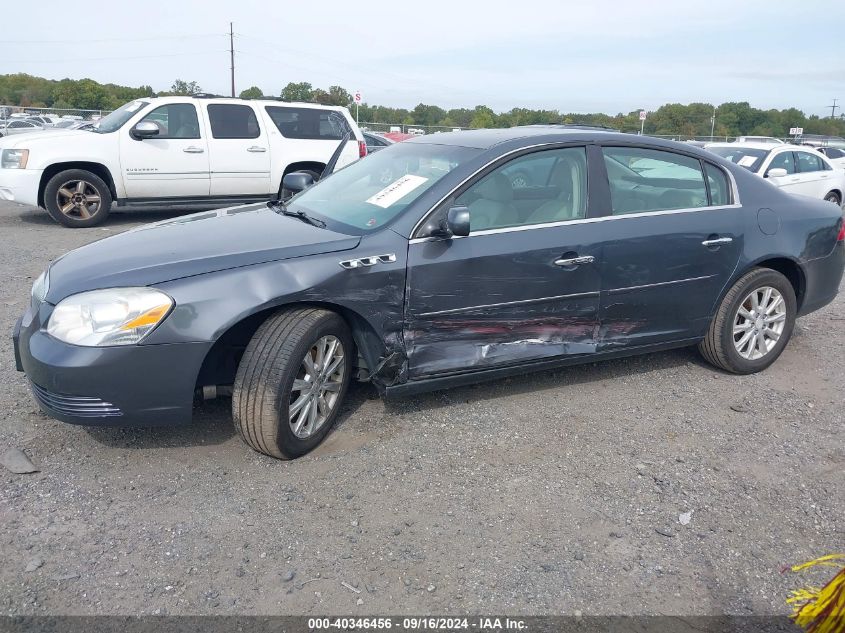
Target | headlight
(117,316)
(14,158)
(41,286)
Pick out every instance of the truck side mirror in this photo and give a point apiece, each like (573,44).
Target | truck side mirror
(144,129)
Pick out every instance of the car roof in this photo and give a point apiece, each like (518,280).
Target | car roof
(216,99)
(487,138)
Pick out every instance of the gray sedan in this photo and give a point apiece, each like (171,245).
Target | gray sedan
(446,275)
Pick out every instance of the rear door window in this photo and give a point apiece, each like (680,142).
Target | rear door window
(718,183)
(308,123)
(229,120)
(809,162)
(643,180)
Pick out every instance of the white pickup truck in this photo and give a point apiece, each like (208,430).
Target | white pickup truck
(174,151)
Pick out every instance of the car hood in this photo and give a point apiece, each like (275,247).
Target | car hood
(27,139)
(190,245)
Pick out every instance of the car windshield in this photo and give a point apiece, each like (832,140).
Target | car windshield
(369,193)
(116,119)
(746,157)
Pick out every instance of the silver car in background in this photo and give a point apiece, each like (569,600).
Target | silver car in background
(20,126)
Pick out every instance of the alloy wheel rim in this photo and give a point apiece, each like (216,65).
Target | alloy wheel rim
(78,199)
(316,389)
(759,322)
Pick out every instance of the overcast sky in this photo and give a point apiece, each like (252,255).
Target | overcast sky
(599,55)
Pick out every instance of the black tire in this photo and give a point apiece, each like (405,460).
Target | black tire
(273,360)
(718,346)
(833,197)
(76,218)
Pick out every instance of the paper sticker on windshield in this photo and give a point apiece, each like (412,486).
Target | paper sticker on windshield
(747,161)
(396,190)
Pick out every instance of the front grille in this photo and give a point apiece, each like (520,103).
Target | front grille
(78,406)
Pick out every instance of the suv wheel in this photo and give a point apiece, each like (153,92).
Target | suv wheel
(753,323)
(77,198)
(292,380)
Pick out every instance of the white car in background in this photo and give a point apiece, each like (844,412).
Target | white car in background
(834,155)
(175,151)
(794,168)
(768,140)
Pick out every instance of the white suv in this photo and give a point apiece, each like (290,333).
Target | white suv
(174,151)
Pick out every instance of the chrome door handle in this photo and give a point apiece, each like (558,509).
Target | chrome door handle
(255,148)
(575,261)
(716,242)
(193,150)
(794,179)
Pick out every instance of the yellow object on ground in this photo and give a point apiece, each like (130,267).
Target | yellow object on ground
(821,610)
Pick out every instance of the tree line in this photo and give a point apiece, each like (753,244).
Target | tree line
(694,119)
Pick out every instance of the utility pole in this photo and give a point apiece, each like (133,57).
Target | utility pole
(833,109)
(232,55)
(712,123)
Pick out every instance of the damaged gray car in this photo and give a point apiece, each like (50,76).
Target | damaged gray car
(422,267)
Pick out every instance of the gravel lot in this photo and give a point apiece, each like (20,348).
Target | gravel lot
(543,494)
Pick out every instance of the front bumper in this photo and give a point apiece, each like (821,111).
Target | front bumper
(133,385)
(20,185)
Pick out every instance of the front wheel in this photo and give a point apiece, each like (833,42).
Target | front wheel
(753,323)
(291,381)
(77,198)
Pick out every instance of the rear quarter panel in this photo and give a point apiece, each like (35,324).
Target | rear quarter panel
(779,225)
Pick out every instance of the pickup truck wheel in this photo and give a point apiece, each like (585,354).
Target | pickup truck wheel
(753,323)
(77,198)
(291,381)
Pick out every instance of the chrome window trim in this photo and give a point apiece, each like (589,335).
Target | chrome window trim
(604,218)
(736,202)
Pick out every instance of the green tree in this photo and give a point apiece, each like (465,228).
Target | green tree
(301,91)
(483,117)
(181,87)
(253,92)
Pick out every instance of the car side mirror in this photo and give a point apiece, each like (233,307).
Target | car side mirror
(776,172)
(455,224)
(297,181)
(144,129)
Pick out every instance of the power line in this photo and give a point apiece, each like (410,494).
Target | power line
(98,59)
(117,39)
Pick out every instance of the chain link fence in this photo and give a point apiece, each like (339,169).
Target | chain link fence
(8,112)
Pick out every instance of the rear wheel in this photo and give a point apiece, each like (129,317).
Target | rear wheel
(753,323)
(77,198)
(833,197)
(291,381)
